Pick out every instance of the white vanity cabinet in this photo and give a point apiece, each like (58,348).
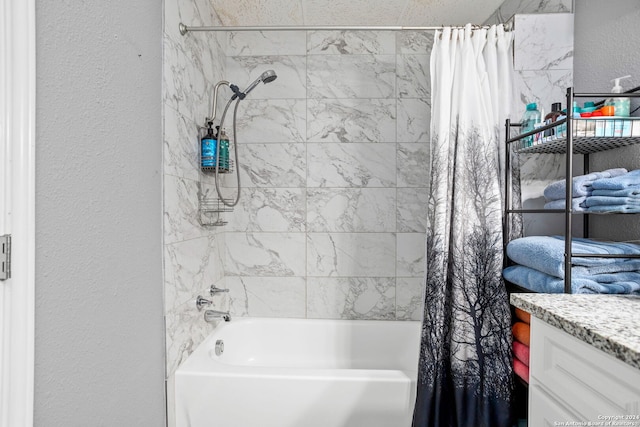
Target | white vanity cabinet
(572,382)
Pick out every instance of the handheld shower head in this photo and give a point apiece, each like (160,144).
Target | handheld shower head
(266,77)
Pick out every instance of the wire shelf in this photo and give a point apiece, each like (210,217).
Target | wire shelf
(589,136)
(210,210)
(212,169)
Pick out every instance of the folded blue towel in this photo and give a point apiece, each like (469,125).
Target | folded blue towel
(615,209)
(620,182)
(628,264)
(627,192)
(611,201)
(540,282)
(546,253)
(626,276)
(577,204)
(581,184)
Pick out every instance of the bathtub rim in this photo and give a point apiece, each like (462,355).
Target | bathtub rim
(200,363)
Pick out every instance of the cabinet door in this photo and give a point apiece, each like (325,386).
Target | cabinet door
(544,410)
(584,379)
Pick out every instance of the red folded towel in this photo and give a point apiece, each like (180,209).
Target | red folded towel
(521,332)
(521,370)
(523,315)
(521,352)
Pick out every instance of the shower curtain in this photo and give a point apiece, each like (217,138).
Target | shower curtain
(465,372)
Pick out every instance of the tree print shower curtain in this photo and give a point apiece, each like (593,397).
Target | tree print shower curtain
(465,372)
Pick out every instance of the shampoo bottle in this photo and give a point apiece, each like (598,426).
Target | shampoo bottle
(208,148)
(561,130)
(620,105)
(224,152)
(529,119)
(556,108)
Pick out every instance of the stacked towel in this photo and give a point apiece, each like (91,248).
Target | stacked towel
(611,200)
(541,266)
(618,182)
(614,209)
(521,339)
(620,194)
(521,370)
(546,254)
(521,352)
(627,192)
(521,332)
(613,283)
(523,315)
(577,204)
(582,184)
(555,193)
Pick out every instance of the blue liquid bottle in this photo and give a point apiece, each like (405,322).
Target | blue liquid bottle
(224,152)
(208,148)
(529,119)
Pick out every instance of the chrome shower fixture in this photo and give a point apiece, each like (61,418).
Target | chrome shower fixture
(266,77)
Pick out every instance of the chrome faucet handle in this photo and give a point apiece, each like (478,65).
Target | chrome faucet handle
(213,315)
(202,302)
(215,290)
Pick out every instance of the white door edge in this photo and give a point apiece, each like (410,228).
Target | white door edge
(17,209)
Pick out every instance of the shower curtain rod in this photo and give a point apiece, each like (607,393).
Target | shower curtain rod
(185,29)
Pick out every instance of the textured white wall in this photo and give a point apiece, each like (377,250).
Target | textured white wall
(606,46)
(99,325)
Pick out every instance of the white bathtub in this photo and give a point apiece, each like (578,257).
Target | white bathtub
(301,373)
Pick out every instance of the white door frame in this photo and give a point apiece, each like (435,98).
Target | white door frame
(17,209)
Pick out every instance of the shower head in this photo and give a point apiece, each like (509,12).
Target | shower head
(266,77)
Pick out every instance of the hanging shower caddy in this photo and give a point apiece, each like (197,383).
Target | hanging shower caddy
(210,204)
(219,159)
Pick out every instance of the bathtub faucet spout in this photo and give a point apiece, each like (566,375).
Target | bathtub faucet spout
(213,315)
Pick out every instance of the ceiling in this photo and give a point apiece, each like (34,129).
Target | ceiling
(354,12)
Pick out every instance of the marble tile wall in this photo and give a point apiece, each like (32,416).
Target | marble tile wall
(543,60)
(334,166)
(193,255)
(509,8)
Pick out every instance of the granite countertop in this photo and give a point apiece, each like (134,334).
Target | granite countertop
(610,323)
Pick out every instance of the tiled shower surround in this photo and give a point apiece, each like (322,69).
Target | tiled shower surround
(334,161)
(334,166)
(193,255)
(334,169)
